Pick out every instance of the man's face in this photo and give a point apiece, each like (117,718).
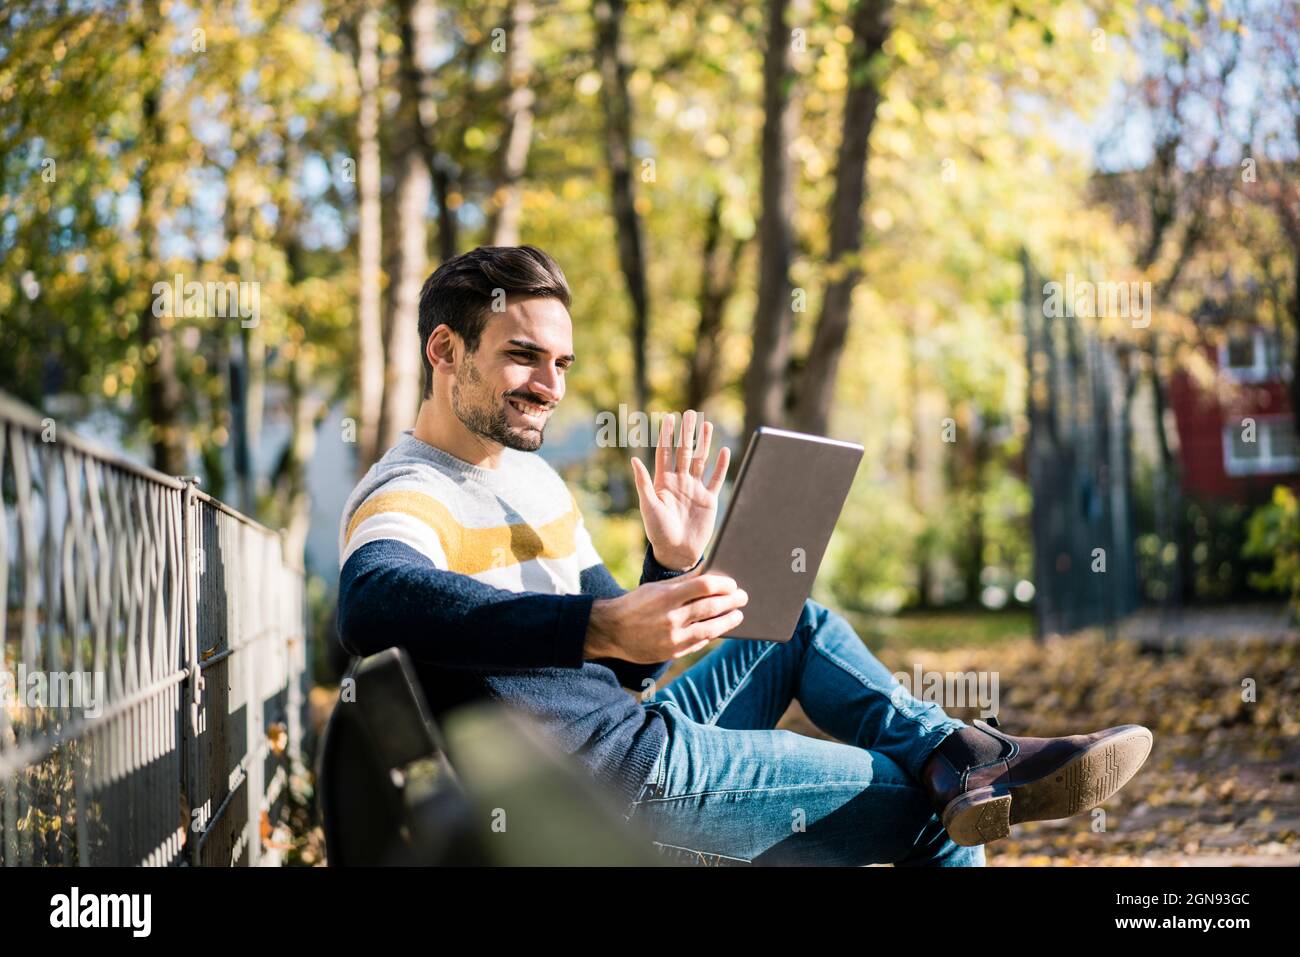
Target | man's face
(506,390)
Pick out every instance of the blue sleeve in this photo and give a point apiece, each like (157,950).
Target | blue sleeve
(652,571)
(597,581)
(390,594)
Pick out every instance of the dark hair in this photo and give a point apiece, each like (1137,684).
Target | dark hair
(461,291)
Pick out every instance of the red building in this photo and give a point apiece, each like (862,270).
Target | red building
(1237,440)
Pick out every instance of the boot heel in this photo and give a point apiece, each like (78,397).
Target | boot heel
(978,817)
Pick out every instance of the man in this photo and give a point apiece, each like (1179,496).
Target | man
(467,549)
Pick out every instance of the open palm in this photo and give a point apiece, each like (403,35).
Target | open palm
(678,507)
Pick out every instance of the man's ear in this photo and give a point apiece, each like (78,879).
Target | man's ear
(440,348)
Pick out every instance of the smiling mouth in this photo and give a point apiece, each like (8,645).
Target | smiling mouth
(533,414)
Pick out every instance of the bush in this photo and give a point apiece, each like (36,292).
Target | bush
(870,562)
(1274,532)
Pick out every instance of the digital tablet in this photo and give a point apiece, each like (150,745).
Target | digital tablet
(788,495)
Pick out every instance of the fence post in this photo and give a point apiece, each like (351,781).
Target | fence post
(190,712)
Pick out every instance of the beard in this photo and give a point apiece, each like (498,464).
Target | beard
(480,412)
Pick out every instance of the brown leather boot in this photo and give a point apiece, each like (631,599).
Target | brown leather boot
(1034,779)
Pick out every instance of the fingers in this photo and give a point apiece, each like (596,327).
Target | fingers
(645,488)
(711,604)
(702,456)
(715,605)
(693,648)
(691,458)
(688,589)
(720,470)
(663,452)
(687,441)
(716,627)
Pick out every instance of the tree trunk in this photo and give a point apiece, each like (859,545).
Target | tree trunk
(1168,506)
(441,167)
(306,391)
(370,333)
(978,452)
(1295,356)
(404,370)
(306,412)
(444,184)
(519,124)
(871,24)
(253,348)
(916,485)
(247,367)
(163,394)
(307,409)
(618,150)
(717,283)
(765,380)
(213,452)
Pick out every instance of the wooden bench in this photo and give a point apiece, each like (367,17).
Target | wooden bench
(480,787)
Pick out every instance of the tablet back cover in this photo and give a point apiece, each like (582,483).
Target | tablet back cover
(789,492)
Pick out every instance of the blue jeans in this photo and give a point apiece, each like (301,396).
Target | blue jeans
(727,783)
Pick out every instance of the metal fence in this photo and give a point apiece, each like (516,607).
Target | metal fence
(152,663)
(1080,472)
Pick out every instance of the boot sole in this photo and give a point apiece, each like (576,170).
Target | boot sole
(1080,784)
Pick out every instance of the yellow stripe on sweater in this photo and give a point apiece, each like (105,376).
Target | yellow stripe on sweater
(473,550)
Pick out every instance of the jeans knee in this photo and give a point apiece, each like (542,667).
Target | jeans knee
(812,615)
(828,627)
(823,621)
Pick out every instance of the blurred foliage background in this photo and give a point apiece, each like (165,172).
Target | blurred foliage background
(803,212)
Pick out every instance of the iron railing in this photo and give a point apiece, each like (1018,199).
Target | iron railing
(152,663)
(1079,468)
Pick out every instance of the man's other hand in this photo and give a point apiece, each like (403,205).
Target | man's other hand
(663,620)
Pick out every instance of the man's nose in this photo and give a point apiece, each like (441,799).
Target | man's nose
(549,384)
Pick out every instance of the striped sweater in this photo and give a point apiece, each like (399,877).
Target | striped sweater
(487,578)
